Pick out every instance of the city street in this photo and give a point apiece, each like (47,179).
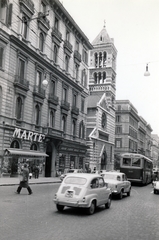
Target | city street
(34,217)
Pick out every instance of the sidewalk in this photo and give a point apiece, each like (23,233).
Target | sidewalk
(9,181)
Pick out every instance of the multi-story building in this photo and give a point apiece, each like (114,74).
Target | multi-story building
(43,86)
(132,133)
(155,150)
(101,109)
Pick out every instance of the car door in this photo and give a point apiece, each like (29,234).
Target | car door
(125,183)
(104,193)
(96,191)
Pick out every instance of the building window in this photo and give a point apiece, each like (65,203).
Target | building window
(55,53)
(74,100)
(3,11)
(64,94)
(84,78)
(77,46)
(56,23)
(118,143)
(37,114)
(2,54)
(118,118)
(43,7)
(81,130)
(76,71)
(118,130)
(15,144)
(52,87)
(82,105)
(41,42)
(104,120)
(74,127)
(64,123)
(66,63)
(52,118)
(19,108)
(85,56)
(24,27)
(67,35)
(21,69)
(39,80)
(34,147)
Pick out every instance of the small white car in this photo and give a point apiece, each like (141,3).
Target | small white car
(83,190)
(156,187)
(118,183)
(68,171)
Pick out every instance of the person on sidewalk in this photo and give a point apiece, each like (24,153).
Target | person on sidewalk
(36,170)
(24,182)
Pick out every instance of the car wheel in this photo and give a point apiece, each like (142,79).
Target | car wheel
(60,208)
(91,209)
(128,193)
(121,195)
(107,205)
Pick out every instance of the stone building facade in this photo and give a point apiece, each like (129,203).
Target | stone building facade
(101,108)
(43,86)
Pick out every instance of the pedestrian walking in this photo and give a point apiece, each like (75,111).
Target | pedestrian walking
(36,170)
(24,182)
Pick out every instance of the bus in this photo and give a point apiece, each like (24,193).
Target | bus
(138,168)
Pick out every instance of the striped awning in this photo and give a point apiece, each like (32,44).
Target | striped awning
(24,153)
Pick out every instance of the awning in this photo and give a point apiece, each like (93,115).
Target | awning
(24,153)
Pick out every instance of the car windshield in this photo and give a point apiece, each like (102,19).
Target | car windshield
(75,180)
(109,176)
(70,170)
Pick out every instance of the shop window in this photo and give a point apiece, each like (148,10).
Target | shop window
(34,147)
(15,144)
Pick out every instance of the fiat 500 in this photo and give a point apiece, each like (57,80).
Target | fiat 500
(118,183)
(83,190)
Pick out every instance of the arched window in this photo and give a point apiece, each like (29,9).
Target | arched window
(34,147)
(104,77)
(41,42)
(104,59)
(63,123)
(95,77)
(55,53)
(74,127)
(15,144)
(37,115)
(52,118)
(19,108)
(66,63)
(96,59)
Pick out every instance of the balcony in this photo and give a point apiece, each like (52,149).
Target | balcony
(21,85)
(67,47)
(77,57)
(53,99)
(75,110)
(43,22)
(27,6)
(57,36)
(38,93)
(65,105)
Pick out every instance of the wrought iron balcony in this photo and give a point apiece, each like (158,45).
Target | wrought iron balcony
(39,92)
(21,83)
(77,55)
(53,99)
(57,34)
(65,105)
(68,46)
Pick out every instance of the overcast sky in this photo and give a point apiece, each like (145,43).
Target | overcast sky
(134,25)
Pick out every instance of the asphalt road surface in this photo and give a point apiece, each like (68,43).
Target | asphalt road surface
(34,217)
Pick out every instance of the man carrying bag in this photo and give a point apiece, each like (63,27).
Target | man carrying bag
(24,182)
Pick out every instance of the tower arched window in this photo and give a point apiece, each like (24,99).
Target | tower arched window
(19,108)
(104,59)
(104,77)
(95,77)
(96,59)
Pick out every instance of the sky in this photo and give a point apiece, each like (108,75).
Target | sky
(134,25)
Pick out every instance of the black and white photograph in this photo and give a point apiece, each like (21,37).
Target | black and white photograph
(79,121)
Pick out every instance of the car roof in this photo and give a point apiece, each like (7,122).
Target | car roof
(85,175)
(114,173)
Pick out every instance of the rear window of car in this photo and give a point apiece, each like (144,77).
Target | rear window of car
(70,170)
(75,180)
(109,176)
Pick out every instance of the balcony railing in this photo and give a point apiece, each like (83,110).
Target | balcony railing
(53,99)
(77,55)
(27,3)
(56,33)
(65,105)
(75,110)
(39,91)
(42,19)
(21,82)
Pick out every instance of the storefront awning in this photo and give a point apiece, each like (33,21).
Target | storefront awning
(23,153)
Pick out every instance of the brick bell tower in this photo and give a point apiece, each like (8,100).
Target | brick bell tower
(103,66)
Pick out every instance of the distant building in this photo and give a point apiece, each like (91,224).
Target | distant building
(40,41)
(155,150)
(101,109)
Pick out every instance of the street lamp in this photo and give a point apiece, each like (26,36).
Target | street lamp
(146,74)
(45,83)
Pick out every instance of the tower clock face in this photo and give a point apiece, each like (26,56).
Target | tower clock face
(103,120)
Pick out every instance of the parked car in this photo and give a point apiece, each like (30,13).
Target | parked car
(156,187)
(67,171)
(118,183)
(83,190)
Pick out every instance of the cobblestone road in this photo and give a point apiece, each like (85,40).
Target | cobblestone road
(35,217)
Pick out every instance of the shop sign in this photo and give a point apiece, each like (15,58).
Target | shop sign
(28,135)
